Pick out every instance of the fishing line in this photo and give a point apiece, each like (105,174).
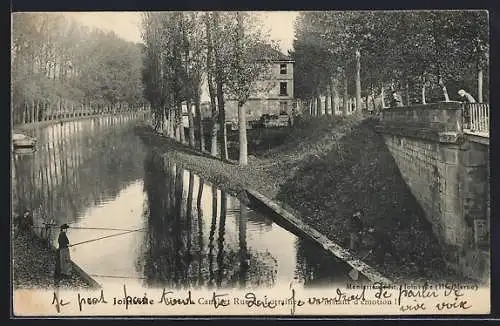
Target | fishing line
(117,276)
(108,236)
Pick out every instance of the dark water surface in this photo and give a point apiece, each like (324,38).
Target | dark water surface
(145,220)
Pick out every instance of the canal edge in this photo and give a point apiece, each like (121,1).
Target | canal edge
(93,283)
(45,123)
(317,237)
(306,230)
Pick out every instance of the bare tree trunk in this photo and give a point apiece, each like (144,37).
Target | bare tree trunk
(242,121)
(37,112)
(191,124)
(213,132)
(24,111)
(358,82)
(423,91)
(327,100)
(173,123)
(443,88)
(345,99)
(59,107)
(213,108)
(176,124)
(407,92)
(33,109)
(319,110)
(373,99)
(220,92)
(333,92)
(222,122)
(211,87)
(200,122)
(480,84)
(382,97)
(181,124)
(314,106)
(168,117)
(165,119)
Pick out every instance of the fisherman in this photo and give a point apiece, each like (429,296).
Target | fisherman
(63,259)
(46,233)
(381,245)
(18,223)
(355,225)
(25,224)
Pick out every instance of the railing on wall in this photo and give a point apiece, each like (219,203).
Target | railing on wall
(477,119)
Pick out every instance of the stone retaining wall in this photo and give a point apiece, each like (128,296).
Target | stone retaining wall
(448,175)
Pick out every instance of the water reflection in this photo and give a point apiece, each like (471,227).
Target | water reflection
(216,241)
(76,165)
(97,176)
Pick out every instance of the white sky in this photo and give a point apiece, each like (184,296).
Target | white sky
(127,24)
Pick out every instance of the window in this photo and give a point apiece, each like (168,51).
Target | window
(283,107)
(283,68)
(283,89)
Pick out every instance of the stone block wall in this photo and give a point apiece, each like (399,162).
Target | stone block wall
(432,172)
(443,116)
(448,173)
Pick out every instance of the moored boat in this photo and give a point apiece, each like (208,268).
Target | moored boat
(23,141)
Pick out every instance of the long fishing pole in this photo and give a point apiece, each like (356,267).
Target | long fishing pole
(117,276)
(108,236)
(83,228)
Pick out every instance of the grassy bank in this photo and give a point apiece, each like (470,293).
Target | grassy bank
(324,170)
(33,265)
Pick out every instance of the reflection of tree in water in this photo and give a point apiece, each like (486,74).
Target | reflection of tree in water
(77,165)
(180,255)
(255,269)
(316,268)
(160,219)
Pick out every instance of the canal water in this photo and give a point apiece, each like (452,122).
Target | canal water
(139,218)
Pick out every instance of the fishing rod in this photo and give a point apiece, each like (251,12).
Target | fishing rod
(108,236)
(117,276)
(83,228)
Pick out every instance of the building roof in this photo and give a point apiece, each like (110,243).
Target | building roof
(265,51)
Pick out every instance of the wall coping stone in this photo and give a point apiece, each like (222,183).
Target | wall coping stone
(440,122)
(450,105)
(431,134)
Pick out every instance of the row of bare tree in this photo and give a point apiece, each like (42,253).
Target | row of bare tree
(226,51)
(62,68)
